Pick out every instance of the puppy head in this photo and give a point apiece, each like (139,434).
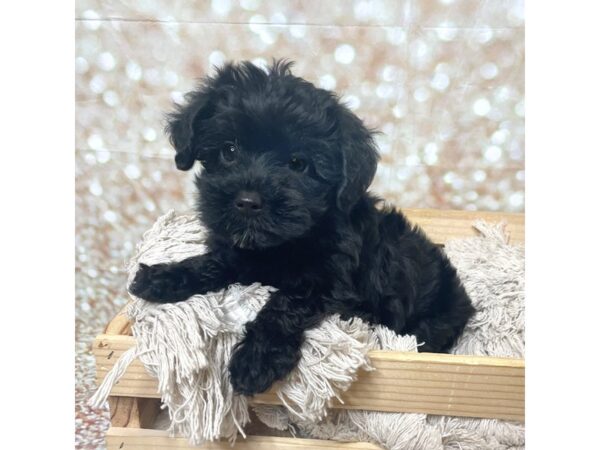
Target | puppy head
(277,153)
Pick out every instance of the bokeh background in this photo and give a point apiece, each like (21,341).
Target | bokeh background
(443,80)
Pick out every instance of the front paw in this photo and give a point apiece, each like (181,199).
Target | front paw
(257,364)
(160,283)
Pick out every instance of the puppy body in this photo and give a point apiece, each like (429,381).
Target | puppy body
(283,196)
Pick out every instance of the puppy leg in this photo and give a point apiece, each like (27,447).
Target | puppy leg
(439,332)
(270,348)
(169,283)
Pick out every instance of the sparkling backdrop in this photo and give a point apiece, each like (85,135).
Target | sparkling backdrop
(443,80)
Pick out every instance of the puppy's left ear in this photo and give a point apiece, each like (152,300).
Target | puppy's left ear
(185,122)
(359,159)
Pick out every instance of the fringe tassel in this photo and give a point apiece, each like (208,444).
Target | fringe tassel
(101,395)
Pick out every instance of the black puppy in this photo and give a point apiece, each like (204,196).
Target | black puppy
(283,194)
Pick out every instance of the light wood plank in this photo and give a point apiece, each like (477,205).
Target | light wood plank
(128,438)
(442,225)
(467,386)
(120,324)
(130,412)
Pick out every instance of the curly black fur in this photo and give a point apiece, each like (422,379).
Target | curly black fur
(283,194)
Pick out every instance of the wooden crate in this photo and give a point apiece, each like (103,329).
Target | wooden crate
(453,385)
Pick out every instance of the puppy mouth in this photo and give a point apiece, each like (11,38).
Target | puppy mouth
(244,239)
(252,237)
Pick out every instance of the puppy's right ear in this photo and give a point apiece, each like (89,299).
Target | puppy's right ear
(184,124)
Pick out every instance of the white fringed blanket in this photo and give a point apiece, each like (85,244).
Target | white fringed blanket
(187,346)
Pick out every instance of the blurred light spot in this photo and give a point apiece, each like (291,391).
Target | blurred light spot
(152,76)
(516,199)
(327,81)
(111,98)
(488,71)
(481,106)
(431,153)
(110,216)
(442,67)
(95,142)
(157,175)
(96,188)
(502,94)
(446,31)
(278,18)
(177,97)
(267,37)
(216,58)
(92,22)
(171,78)
(97,84)
(298,31)
(132,171)
(456,200)
(384,91)
(520,175)
(363,10)
(516,152)
(399,111)
(250,5)
(257,23)
(421,94)
(133,70)
(395,36)
(516,15)
(440,81)
(344,54)
(419,52)
(471,196)
(499,137)
(352,101)
(149,204)
(383,144)
(446,2)
(149,134)
(449,177)
(458,183)
(389,73)
(479,175)
(221,7)
(412,160)
(103,156)
(493,153)
(484,35)
(520,109)
(260,62)
(90,159)
(81,65)
(491,203)
(106,61)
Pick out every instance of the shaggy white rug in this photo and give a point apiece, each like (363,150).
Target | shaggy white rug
(187,346)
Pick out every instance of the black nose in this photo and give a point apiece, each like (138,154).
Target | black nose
(248,202)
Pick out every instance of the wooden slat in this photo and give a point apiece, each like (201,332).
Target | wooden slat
(129,438)
(442,225)
(467,386)
(130,412)
(120,324)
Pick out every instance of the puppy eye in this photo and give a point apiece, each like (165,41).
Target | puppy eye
(229,153)
(297,164)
